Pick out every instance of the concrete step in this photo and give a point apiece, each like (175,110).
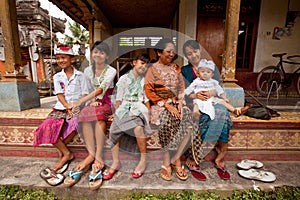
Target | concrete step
(24,171)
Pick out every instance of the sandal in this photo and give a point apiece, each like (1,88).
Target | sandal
(263,176)
(180,172)
(195,171)
(222,172)
(59,179)
(166,173)
(74,177)
(64,167)
(47,173)
(51,177)
(247,164)
(95,179)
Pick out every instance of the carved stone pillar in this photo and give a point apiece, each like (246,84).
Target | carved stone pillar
(16,92)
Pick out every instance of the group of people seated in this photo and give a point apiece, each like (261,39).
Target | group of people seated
(187,105)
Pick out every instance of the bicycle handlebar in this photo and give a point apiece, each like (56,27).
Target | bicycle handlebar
(293,56)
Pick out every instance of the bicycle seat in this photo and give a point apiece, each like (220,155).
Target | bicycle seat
(278,55)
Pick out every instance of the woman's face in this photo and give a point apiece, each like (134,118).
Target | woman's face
(167,55)
(193,55)
(99,56)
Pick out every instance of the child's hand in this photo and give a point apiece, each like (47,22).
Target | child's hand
(70,105)
(111,117)
(226,100)
(76,110)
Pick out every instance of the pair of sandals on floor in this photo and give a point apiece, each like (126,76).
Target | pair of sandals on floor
(248,170)
(95,177)
(196,172)
(166,172)
(55,177)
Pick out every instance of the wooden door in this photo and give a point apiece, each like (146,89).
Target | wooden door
(210,35)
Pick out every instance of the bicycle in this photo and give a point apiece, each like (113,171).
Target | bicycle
(272,79)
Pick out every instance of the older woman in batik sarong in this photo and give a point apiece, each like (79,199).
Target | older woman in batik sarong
(164,86)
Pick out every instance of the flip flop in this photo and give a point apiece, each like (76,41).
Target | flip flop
(263,176)
(222,172)
(47,173)
(51,177)
(138,173)
(247,164)
(166,176)
(64,167)
(74,177)
(95,179)
(59,179)
(195,171)
(179,171)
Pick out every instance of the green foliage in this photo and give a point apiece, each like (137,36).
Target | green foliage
(18,193)
(79,34)
(281,193)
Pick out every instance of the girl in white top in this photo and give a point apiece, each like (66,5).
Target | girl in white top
(61,124)
(131,121)
(94,116)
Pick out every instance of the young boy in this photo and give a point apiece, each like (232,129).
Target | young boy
(205,82)
(61,124)
(131,120)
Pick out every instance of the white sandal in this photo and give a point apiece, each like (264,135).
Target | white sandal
(263,176)
(247,164)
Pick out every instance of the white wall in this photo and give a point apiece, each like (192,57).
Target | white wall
(273,14)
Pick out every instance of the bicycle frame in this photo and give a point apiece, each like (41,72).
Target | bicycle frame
(272,79)
(287,79)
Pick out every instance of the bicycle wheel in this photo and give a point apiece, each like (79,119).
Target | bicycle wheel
(269,81)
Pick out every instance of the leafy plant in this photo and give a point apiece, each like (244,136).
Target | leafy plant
(280,193)
(16,192)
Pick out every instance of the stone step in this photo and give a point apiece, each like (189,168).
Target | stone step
(278,135)
(25,173)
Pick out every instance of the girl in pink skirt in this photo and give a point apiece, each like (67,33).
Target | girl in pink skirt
(61,125)
(94,115)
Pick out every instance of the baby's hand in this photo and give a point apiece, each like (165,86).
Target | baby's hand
(226,100)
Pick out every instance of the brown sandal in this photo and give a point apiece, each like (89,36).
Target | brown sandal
(166,173)
(180,171)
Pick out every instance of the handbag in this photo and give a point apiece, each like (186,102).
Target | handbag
(258,112)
